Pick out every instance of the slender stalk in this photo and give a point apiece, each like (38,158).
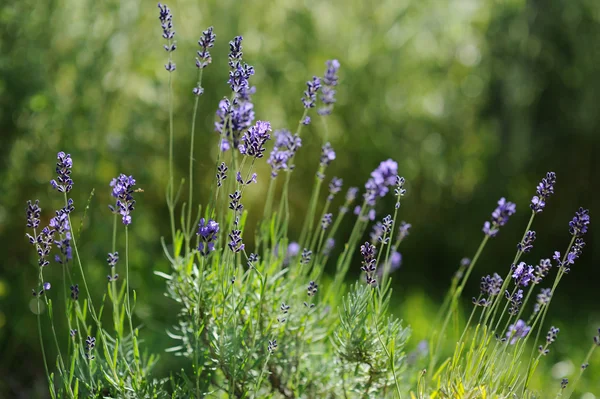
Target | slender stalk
(127,300)
(170,187)
(454,301)
(189,229)
(113,284)
(582,369)
(39,324)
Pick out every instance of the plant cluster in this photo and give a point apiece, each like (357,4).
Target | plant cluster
(264,322)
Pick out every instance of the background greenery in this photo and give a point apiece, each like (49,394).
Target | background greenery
(475,99)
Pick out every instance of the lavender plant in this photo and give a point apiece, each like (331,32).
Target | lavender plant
(258,318)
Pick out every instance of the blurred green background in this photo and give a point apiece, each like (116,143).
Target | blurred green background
(475,99)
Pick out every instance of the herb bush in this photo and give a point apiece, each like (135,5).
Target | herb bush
(258,323)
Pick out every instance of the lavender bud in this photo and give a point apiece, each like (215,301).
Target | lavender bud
(516,331)
(63,182)
(579,225)
(207,231)
(122,190)
(500,216)
(310,94)
(544,190)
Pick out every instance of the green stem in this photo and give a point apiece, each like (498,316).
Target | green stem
(189,229)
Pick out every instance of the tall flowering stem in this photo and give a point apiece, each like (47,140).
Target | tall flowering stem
(166,20)
(202,61)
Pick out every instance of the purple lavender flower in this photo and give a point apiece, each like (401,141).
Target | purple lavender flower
(542,270)
(576,250)
(239,77)
(43,243)
(383,177)
(516,331)
(166,19)
(399,191)
(328,247)
(206,41)
(233,119)
(395,263)
(552,333)
(62,228)
(235,241)
(75,292)
(254,140)
(326,220)
(327,154)
(252,260)
(122,190)
(306,121)
(330,80)
(312,288)
(166,22)
(235,204)
(33,214)
(499,217)
(579,225)
(544,190)
(370,214)
(45,287)
(368,251)
(272,346)
(63,182)
(208,232)
(306,255)
(293,249)
(235,50)
(377,233)
(310,94)
(112,259)
(515,300)
(239,72)
(403,230)
(240,179)
(522,274)
(351,194)
(491,285)
(335,186)
(542,299)
(221,174)
(563,383)
(90,344)
(286,145)
(527,244)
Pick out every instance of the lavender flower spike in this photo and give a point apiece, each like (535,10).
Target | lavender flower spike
(122,191)
(166,23)
(500,216)
(383,177)
(329,81)
(63,182)
(516,331)
(310,94)
(206,41)
(207,230)
(544,190)
(579,225)
(33,214)
(522,274)
(327,154)
(254,140)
